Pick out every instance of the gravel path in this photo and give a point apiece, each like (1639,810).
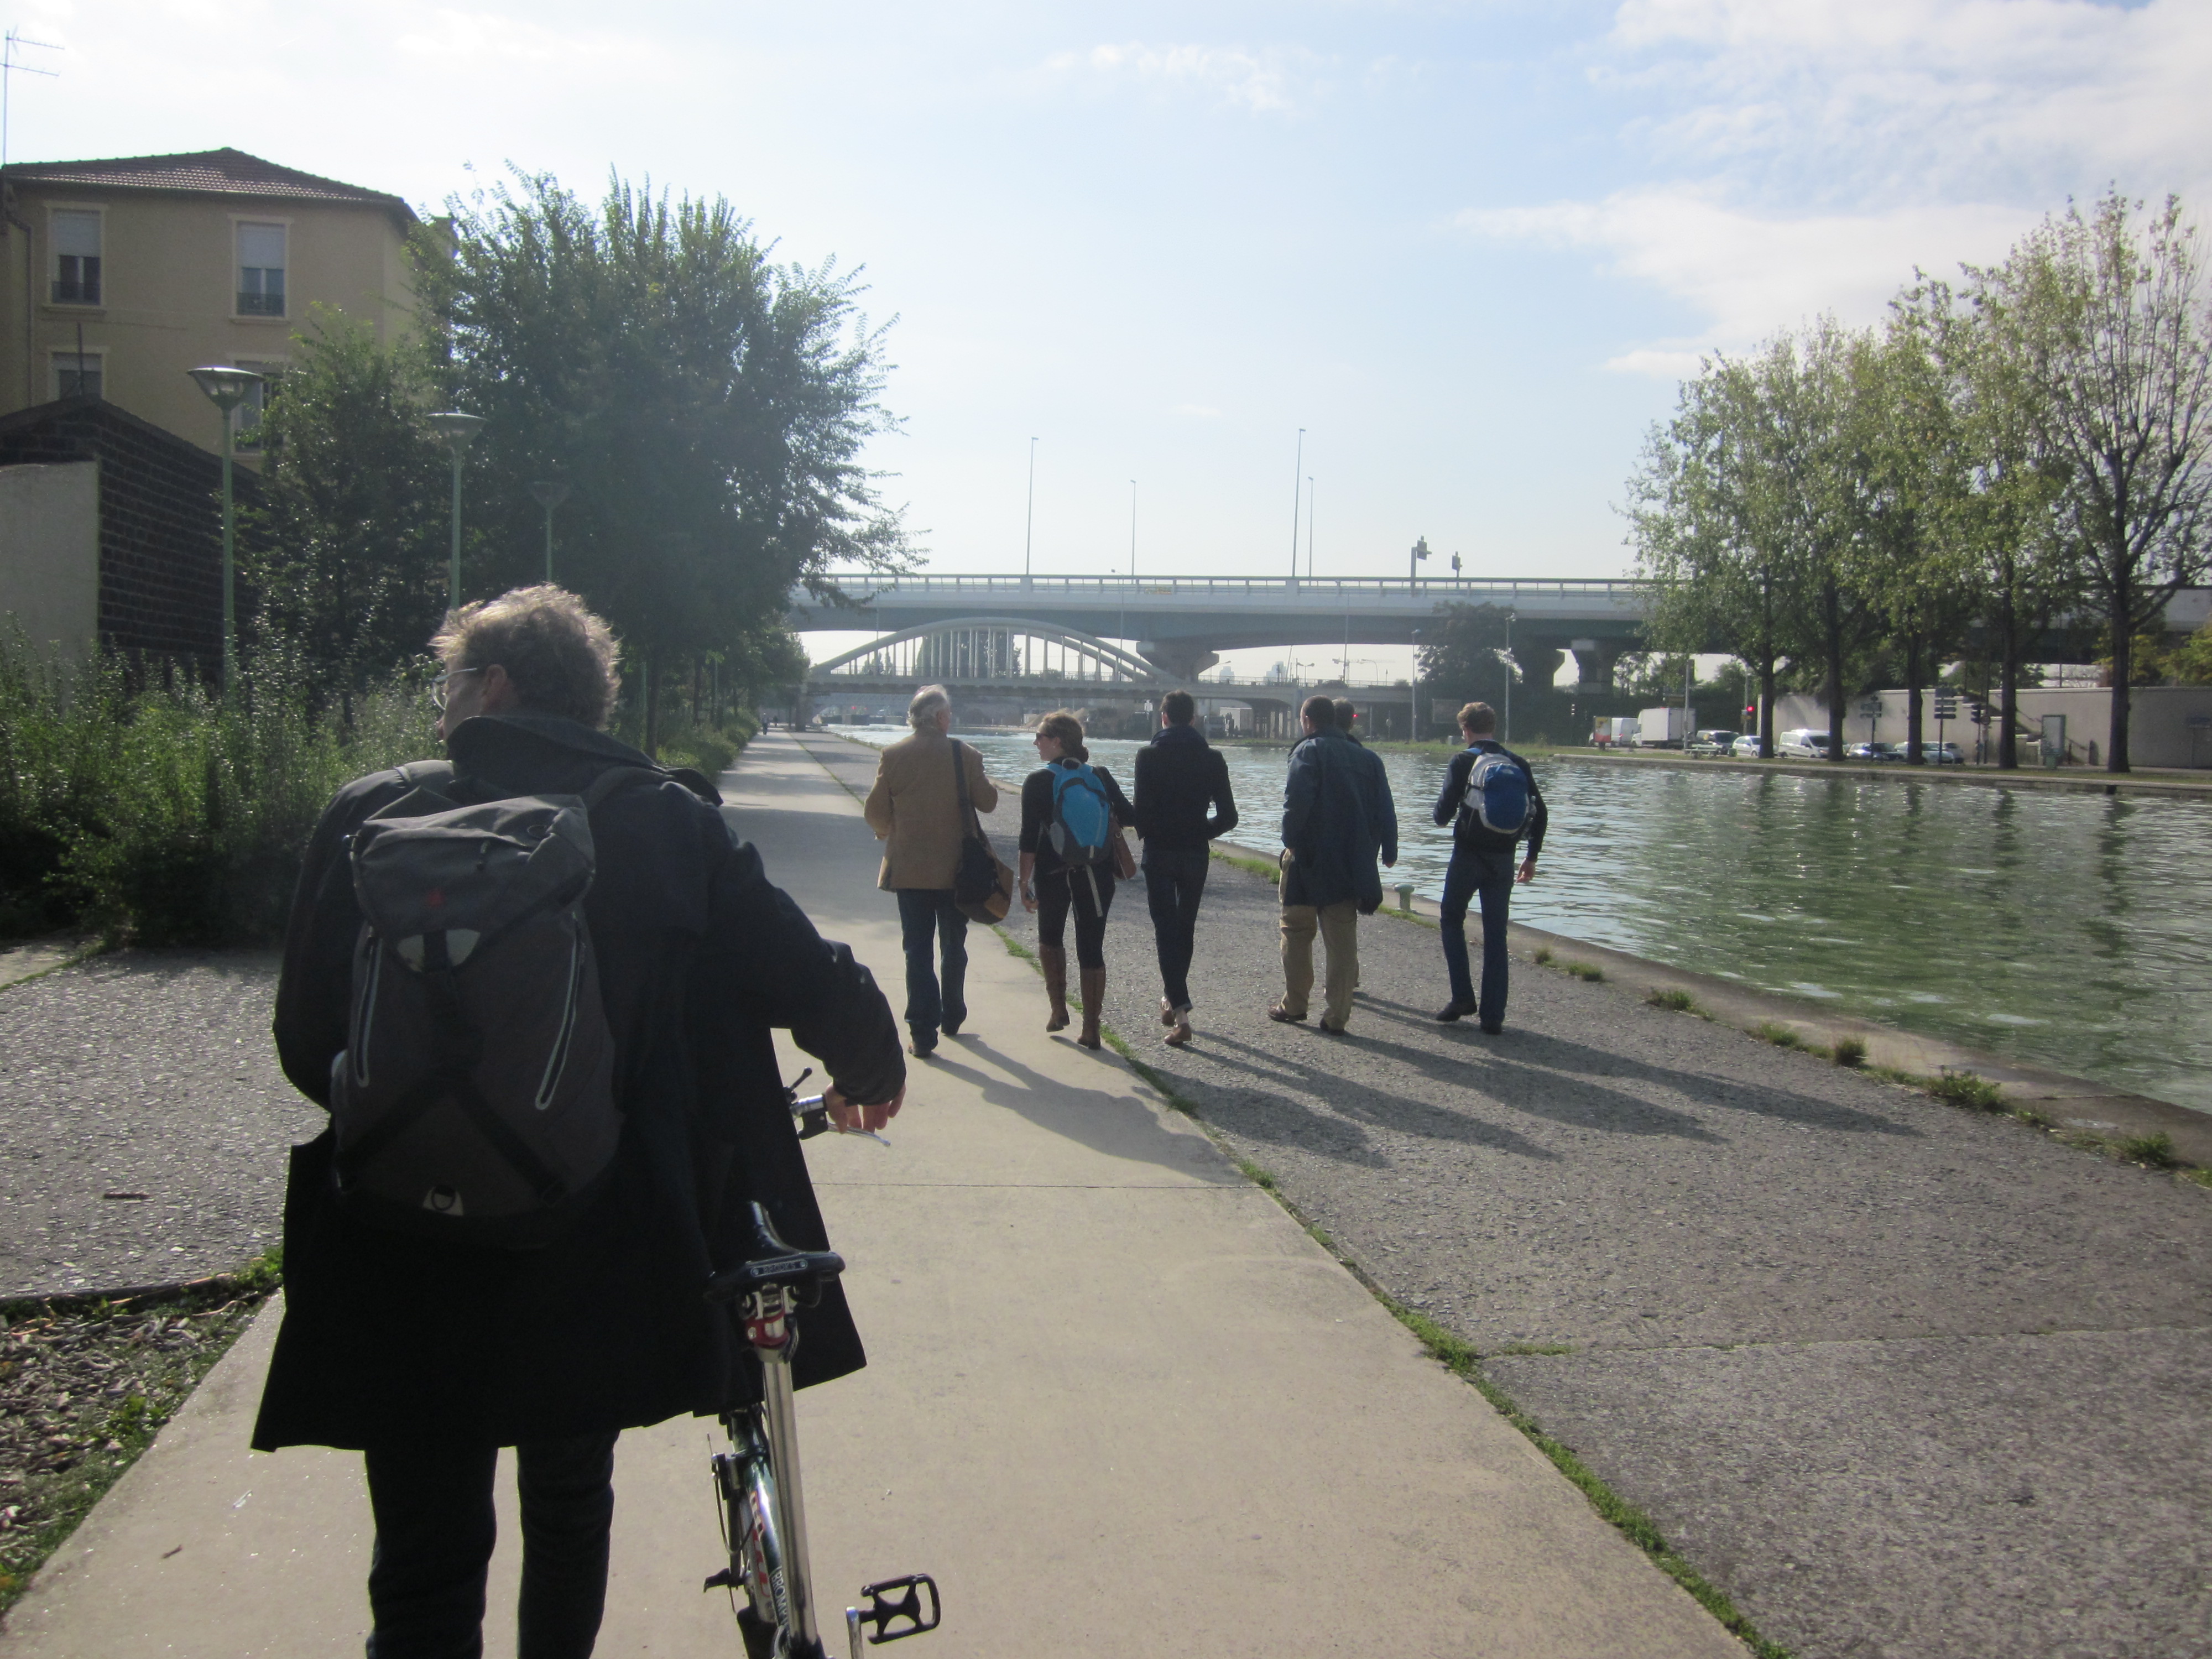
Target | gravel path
(1904,1380)
(148,1073)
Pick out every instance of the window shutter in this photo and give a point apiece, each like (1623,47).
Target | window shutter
(77,235)
(261,247)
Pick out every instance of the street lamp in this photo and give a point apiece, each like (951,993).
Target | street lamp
(227,388)
(550,492)
(459,431)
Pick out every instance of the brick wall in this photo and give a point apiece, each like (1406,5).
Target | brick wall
(161,522)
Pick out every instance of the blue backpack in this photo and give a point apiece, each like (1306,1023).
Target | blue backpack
(1082,817)
(1498,793)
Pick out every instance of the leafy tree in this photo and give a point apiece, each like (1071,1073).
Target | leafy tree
(2190,663)
(708,407)
(2103,319)
(1464,654)
(346,545)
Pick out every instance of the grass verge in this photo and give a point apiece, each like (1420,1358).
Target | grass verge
(86,1384)
(1272,874)
(1679,1000)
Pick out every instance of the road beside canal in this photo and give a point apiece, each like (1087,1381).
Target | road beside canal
(1903,1379)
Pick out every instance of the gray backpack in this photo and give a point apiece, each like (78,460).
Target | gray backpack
(475,1098)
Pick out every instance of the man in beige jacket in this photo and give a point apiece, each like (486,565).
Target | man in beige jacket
(914,809)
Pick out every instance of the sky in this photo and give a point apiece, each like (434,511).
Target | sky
(1470,248)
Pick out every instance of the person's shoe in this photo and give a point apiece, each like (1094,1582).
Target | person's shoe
(1166,1012)
(1277,1011)
(1334,1030)
(1180,1034)
(1094,1007)
(1493,1027)
(1054,958)
(951,1027)
(923,1043)
(1455,1009)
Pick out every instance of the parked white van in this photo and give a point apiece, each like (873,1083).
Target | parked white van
(1803,744)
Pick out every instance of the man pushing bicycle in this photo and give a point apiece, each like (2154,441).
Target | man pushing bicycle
(535,987)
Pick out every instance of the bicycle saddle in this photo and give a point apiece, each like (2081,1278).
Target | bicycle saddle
(768,1260)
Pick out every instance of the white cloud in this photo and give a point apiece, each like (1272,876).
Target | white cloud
(1748,273)
(1821,150)
(1260,82)
(466,41)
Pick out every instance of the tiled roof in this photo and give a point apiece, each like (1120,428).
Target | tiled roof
(208,172)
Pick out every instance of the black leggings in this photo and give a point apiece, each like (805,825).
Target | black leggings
(1067,889)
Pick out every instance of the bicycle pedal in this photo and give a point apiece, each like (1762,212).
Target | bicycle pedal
(723,1580)
(894,1599)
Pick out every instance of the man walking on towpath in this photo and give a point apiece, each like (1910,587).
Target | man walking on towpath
(915,810)
(416,1013)
(1491,799)
(1330,880)
(1382,808)
(1182,802)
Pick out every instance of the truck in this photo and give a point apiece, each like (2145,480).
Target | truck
(1615,731)
(1662,728)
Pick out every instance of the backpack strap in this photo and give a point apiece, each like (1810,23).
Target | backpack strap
(616,779)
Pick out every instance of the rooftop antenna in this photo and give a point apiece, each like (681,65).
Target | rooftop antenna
(11,66)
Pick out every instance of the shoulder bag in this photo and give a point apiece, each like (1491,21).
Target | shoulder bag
(983,885)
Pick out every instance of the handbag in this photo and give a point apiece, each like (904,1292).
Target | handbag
(982,885)
(1124,861)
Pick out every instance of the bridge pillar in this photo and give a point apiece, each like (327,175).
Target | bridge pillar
(1538,661)
(1595,660)
(1177,661)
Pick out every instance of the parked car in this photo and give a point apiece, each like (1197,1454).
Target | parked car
(1710,741)
(1802,742)
(1941,754)
(1746,747)
(1874,751)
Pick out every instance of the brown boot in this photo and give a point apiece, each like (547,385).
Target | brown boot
(1094,1005)
(1055,957)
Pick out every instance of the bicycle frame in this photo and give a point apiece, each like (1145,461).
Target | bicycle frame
(758,1482)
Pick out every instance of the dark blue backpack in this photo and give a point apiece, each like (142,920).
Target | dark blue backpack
(1498,793)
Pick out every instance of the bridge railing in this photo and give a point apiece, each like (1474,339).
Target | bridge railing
(862,583)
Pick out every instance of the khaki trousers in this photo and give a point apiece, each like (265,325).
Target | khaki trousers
(1339,926)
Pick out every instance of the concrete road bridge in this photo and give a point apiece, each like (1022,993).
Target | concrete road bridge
(1181,623)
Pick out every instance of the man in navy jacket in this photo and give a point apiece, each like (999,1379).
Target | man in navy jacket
(1481,863)
(1330,837)
(1182,802)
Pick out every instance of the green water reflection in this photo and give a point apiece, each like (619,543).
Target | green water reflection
(2070,930)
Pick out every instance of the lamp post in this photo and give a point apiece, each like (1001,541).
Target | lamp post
(1297,477)
(1029,518)
(459,431)
(550,492)
(227,388)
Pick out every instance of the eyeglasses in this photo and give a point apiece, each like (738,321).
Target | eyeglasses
(438,691)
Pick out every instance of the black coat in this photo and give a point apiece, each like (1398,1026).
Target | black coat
(1467,829)
(1330,824)
(392,1337)
(1180,776)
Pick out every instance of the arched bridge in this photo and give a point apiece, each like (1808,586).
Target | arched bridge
(1181,623)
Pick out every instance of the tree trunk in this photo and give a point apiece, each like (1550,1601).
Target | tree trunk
(2007,686)
(1914,725)
(652,706)
(1767,706)
(1832,641)
(2124,664)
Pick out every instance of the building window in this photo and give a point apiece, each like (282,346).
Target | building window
(245,419)
(78,374)
(76,259)
(261,270)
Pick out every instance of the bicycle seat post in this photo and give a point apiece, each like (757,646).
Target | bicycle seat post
(768,1318)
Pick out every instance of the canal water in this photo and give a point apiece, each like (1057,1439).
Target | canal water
(2073,930)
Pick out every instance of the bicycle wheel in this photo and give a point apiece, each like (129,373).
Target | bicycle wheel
(746,1480)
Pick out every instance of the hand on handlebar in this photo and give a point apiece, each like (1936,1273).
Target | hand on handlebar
(850,1115)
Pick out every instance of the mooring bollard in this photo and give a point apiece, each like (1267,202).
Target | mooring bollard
(1406,895)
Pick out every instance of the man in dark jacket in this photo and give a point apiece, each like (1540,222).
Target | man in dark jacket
(428,1355)
(1330,876)
(1181,781)
(1482,864)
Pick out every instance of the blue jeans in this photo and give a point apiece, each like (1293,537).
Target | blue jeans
(1174,883)
(929,922)
(432,1504)
(1491,876)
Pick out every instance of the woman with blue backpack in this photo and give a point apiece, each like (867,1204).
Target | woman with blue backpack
(1072,815)
(1491,799)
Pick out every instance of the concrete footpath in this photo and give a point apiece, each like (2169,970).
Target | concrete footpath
(1118,1403)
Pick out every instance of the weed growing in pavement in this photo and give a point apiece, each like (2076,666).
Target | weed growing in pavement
(1518,1348)
(1782,1036)
(1587,970)
(1967,1089)
(2202,1177)
(2155,1149)
(1541,956)
(1668,997)
(2034,1119)
(1849,1051)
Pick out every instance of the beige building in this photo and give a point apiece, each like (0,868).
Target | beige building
(119,275)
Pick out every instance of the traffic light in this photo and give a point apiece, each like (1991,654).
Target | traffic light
(1751,712)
